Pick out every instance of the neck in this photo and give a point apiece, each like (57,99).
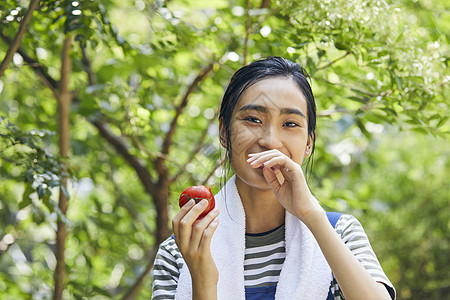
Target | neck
(263,212)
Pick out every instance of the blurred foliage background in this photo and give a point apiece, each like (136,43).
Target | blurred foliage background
(144,86)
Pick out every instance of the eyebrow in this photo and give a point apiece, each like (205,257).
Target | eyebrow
(286,111)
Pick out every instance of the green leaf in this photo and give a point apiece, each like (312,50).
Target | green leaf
(340,46)
(420,130)
(26,199)
(358,99)
(442,121)
(101,291)
(41,191)
(311,66)
(400,37)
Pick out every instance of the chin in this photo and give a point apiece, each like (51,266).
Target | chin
(255,179)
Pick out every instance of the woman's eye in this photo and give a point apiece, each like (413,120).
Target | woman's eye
(253,120)
(291,124)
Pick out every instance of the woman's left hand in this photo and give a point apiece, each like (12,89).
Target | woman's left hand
(288,182)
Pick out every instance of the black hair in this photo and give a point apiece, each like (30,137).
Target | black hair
(256,71)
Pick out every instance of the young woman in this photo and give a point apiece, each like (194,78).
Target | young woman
(272,239)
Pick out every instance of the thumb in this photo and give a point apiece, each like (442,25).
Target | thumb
(273,177)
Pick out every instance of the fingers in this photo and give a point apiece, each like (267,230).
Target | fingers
(268,159)
(190,232)
(208,233)
(200,229)
(278,162)
(185,225)
(272,179)
(180,215)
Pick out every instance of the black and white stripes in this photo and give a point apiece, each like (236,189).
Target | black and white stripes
(264,258)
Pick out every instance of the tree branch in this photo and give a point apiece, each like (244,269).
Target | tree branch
(132,292)
(247,32)
(268,15)
(333,61)
(173,126)
(64,100)
(48,81)
(154,190)
(265,4)
(150,154)
(222,160)
(194,152)
(18,38)
(121,199)
(87,65)
(120,147)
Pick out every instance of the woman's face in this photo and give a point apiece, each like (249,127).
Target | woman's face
(271,114)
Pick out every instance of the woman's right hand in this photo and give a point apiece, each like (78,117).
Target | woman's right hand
(193,238)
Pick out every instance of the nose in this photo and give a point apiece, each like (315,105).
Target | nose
(270,138)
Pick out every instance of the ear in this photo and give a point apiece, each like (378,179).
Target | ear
(222,134)
(309,144)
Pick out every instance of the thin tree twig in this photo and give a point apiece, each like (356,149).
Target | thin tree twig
(161,195)
(200,143)
(258,25)
(222,160)
(121,198)
(247,32)
(152,154)
(132,292)
(333,61)
(18,38)
(48,81)
(173,126)
(368,94)
(87,65)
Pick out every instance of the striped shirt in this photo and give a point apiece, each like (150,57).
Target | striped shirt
(264,257)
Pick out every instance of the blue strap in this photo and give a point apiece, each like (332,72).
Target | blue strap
(333,217)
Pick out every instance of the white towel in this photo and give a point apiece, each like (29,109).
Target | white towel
(305,274)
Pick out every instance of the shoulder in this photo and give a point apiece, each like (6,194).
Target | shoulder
(169,256)
(169,245)
(348,224)
(166,270)
(353,235)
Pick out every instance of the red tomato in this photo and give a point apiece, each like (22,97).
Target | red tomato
(198,193)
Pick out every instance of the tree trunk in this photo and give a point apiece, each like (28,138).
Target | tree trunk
(64,101)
